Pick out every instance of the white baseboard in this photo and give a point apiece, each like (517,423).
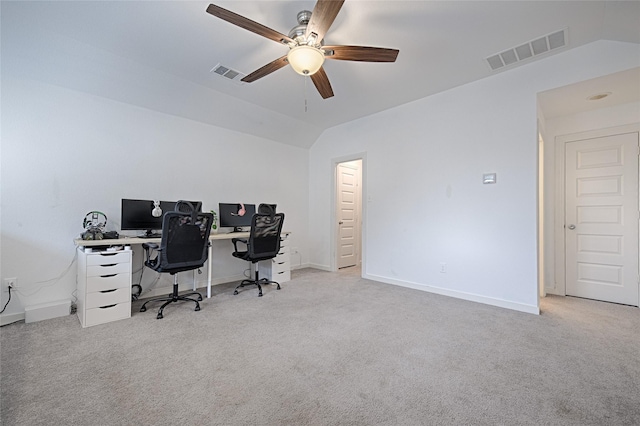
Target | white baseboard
(301,266)
(201,285)
(11,318)
(45,311)
(554,291)
(321,267)
(459,294)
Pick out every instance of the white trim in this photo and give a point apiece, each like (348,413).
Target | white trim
(333,224)
(201,286)
(321,267)
(301,266)
(540,223)
(529,309)
(560,287)
(6,319)
(599,133)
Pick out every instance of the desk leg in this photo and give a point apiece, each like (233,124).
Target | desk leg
(209,268)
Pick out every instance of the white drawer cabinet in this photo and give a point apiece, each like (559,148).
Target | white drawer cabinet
(278,269)
(104,286)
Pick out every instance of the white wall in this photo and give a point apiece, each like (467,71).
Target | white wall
(603,118)
(425,202)
(65,153)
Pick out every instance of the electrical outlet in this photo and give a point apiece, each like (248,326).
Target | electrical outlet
(443,268)
(9,282)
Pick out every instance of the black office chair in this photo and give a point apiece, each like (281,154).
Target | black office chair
(263,243)
(185,240)
(267,208)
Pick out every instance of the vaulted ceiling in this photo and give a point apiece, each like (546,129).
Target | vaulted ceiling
(159,54)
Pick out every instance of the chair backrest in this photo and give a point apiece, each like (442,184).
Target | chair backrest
(188,206)
(264,236)
(267,208)
(185,238)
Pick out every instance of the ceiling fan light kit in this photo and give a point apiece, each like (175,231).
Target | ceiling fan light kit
(305,60)
(306,55)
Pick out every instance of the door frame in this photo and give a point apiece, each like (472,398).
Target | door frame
(333,205)
(559,217)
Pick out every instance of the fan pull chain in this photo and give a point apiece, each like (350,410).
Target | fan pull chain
(305,93)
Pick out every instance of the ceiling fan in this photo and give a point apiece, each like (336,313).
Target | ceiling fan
(306,50)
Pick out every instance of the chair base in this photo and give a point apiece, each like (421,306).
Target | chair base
(173,297)
(256,282)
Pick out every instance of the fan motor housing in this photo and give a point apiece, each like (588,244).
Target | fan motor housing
(299,32)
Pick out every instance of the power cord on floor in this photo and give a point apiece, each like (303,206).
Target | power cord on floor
(46,283)
(74,302)
(151,286)
(136,296)
(6,304)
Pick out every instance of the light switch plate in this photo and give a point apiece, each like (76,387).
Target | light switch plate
(489,178)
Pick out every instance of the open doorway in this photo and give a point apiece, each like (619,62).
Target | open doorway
(588,190)
(348,213)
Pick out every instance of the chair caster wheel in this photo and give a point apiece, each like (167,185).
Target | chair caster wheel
(143,309)
(235,292)
(159,316)
(260,295)
(197,308)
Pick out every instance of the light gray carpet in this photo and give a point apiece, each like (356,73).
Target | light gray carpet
(329,349)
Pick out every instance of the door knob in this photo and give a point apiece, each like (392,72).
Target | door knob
(572,227)
(340,223)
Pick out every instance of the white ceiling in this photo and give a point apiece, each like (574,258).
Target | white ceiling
(443,44)
(621,88)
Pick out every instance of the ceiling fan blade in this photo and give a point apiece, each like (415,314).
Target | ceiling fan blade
(323,15)
(266,70)
(361,53)
(321,81)
(248,24)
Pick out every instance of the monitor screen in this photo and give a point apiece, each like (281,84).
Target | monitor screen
(136,215)
(235,215)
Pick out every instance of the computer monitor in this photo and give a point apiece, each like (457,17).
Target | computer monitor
(235,215)
(136,215)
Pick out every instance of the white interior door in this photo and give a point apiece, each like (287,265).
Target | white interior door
(601,218)
(348,214)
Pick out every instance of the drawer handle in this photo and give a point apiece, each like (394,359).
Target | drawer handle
(109,265)
(108,276)
(108,306)
(281,263)
(108,254)
(108,291)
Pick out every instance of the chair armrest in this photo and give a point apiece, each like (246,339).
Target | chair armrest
(148,247)
(235,242)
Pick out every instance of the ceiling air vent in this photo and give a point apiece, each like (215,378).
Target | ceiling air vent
(228,73)
(528,50)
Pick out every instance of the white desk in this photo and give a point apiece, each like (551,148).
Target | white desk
(128,241)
